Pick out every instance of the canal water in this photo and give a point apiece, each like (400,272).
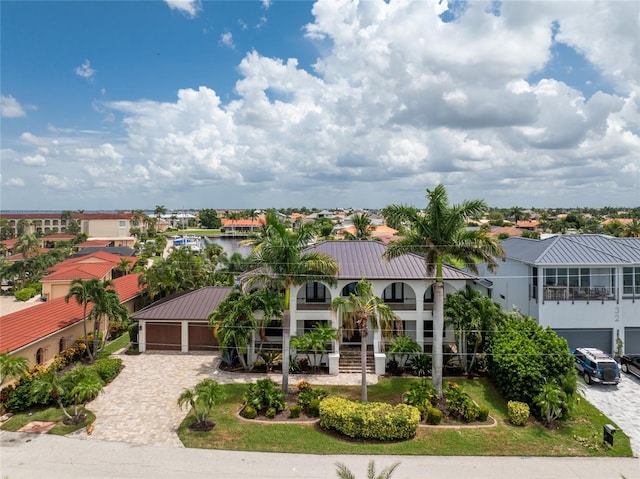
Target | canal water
(230,245)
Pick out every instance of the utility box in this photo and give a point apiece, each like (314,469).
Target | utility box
(608,431)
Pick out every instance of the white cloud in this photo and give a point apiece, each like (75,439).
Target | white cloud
(189,8)
(85,71)
(397,101)
(226,39)
(34,160)
(10,107)
(14,182)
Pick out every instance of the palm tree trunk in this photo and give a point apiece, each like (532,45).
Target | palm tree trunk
(363,361)
(286,340)
(438,327)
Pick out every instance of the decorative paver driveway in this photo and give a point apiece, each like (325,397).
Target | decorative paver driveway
(620,404)
(140,405)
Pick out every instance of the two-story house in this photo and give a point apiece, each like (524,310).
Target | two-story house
(585,287)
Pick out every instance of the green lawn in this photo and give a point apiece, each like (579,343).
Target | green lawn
(580,437)
(115,345)
(49,414)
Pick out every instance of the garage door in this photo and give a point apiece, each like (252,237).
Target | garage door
(201,337)
(163,336)
(632,340)
(588,338)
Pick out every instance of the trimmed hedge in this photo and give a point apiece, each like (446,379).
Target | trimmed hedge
(25,294)
(107,368)
(371,420)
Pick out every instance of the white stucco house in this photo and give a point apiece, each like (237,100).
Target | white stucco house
(585,287)
(402,283)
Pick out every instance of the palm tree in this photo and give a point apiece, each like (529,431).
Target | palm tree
(631,230)
(159,211)
(85,292)
(124,266)
(360,309)
(283,263)
(202,398)
(12,367)
(438,234)
(107,305)
(234,323)
(29,245)
(363,226)
(344,472)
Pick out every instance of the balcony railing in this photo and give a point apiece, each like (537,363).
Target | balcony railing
(571,293)
(303,305)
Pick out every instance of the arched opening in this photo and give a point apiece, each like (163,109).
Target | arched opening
(40,356)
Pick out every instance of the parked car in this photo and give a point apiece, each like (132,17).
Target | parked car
(630,364)
(596,366)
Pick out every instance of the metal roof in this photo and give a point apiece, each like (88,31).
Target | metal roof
(574,249)
(364,259)
(194,305)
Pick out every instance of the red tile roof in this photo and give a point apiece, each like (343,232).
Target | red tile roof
(58,237)
(22,328)
(244,222)
(81,271)
(9,243)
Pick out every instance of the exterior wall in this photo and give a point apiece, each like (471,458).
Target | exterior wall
(511,288)
(51,344)
(111,228)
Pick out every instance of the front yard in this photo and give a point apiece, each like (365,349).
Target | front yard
(579,437)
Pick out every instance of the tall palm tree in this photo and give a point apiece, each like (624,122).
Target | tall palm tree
(438,234)
(29,245)
(631,230)
(283,263)
(106,306)
(85,292)
(360,309)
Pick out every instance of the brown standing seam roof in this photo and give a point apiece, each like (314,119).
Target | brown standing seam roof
(194,305)
(364,259)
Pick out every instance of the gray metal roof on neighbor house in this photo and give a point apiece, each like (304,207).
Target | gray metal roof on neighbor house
(118,250)
(574,249)
(194,305)
(364,259)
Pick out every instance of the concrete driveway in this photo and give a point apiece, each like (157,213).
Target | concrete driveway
(620,403)
(140,406)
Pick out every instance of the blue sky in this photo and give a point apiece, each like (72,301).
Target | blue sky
(117,105)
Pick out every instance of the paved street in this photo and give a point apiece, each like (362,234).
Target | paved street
(25,456)
(620,403)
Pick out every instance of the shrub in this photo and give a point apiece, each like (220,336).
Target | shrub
(460,404)
(21,397)
(303,386)
(271,413)
(525,356)
(420,365)
(25,294)
(483,413)
(434,416)
(420,394)
(373,420)
(249,412)
(308,394)
(313,410)
(133,332)
(518,412)
(108,368)
(295,411)
(264,394)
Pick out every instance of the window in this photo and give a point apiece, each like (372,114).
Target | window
(394,293)
(40,356)
(348,289)
(428,295)
(631,280)
(316,293)
(61,345)
(428,330)
(573,277)
(122,223)
(534,283)
(310,324)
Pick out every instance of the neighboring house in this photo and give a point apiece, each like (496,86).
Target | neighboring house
(508,230)
(531,225)
(402,283)
(382,232)
(100,265)
(41,332)
(585,287)
(180,322)
(245,225)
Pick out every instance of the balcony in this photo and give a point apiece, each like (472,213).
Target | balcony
(571,293)
(304,305)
